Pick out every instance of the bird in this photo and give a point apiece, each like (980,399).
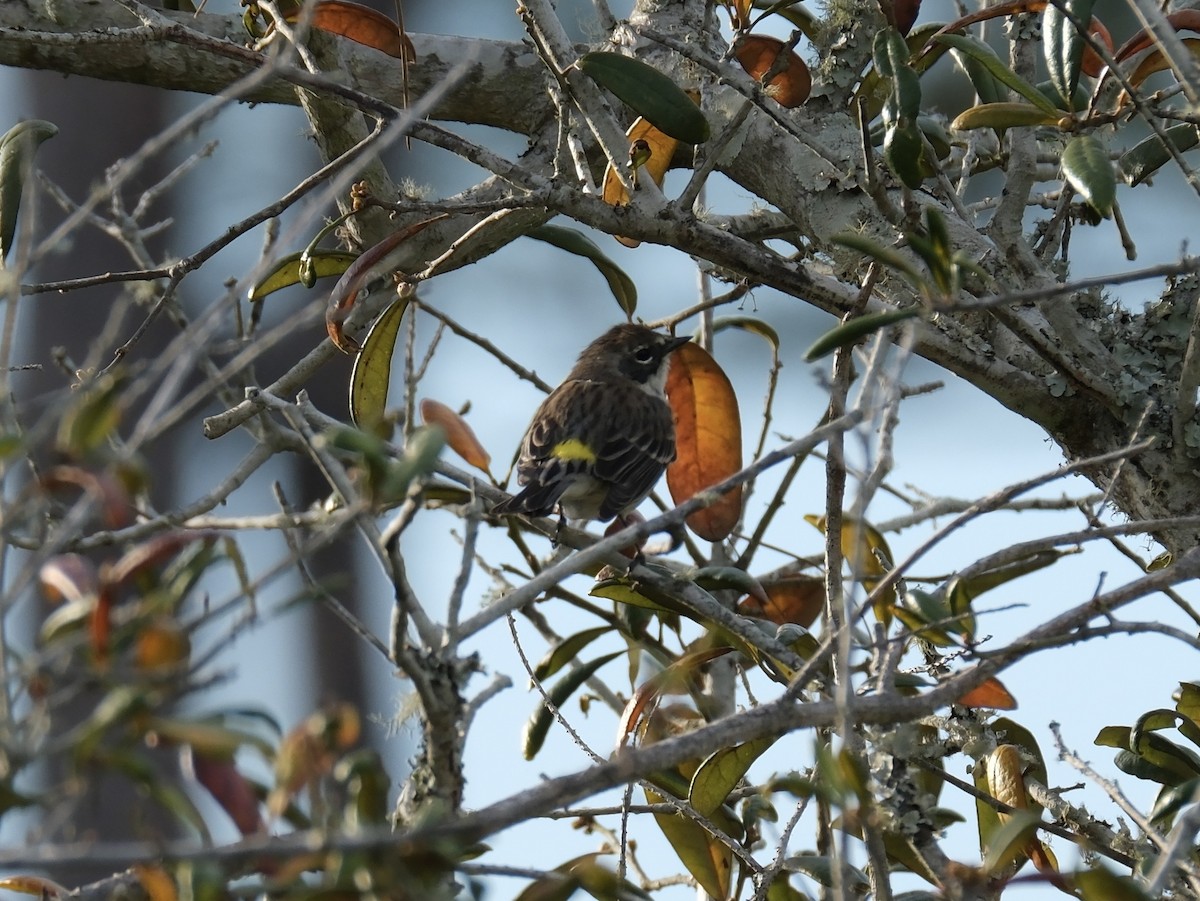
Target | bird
(600,441)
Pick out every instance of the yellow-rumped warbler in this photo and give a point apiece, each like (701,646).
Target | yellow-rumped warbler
(600,441)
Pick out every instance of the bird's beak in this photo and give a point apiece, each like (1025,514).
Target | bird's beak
(676,342)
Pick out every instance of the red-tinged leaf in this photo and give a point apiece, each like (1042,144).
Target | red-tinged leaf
(708,439)
(220,776)
(904,14)
(116,507)
(795,599)
(621,523)
(1158,61)
(151,553)
(1011,8)
(365,26)
(370,265)
(100,628)
(674,679)
(991,694)
(69,578)
(1092,64)
(1182,20)
(458,434)
(791,84)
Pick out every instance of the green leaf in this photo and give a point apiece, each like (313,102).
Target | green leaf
(749,324)
(987,86)
(1150,155)
(891,258)
(1003,115)
(1087,169)
(286,272)
(819,868)
(566,651)
(997,68)
(649,93)
(1173,799)
(716,577)
(372,371)
(720,773)
(93,416)
(903,151)
(1064,45)
(576,242)
(1010,841)
(17,148)
(855,329)
(539,724)
(418,460)
(709,860)
(1101,885)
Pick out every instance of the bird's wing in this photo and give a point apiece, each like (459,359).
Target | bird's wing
(632,457)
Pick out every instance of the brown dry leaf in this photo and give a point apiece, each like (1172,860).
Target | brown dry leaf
(793,599)
(1009,8)
(661,148)
(1157,61)
(364,26)
(1184,19)
(458,434)
(370,265)
(791,85)
(708,439)
(991,694)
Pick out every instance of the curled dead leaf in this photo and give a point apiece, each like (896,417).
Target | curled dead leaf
(708,439)
(795,599)
(458,434)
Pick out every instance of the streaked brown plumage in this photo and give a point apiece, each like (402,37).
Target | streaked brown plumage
(599,443)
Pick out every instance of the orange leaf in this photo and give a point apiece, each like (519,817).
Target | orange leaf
(991,694)
(157,883)
(363,25)
(100,627)
(708,439)
(792,599)
(653,159)
(161,645)
(458,434)
(791,84)
(34,885)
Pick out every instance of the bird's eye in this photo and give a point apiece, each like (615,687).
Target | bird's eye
(644,354)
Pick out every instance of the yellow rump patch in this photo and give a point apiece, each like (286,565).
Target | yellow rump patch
(573,449)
